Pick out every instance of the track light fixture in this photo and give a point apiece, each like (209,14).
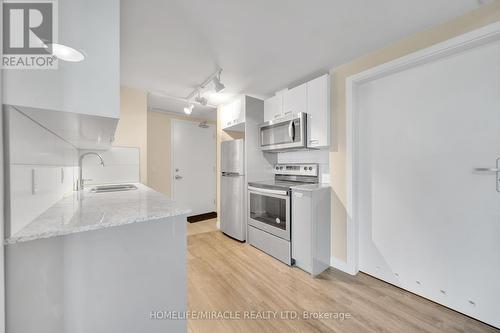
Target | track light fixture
(200,99)
(218,86)
(189,108)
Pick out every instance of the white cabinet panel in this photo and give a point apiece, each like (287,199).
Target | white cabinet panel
(233,115)
(301,231)
(295,100)
(226,115)
(311,215)
(89,87)
(318,109)
(273,107)
(238,113)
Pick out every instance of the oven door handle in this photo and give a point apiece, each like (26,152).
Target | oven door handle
(265,190)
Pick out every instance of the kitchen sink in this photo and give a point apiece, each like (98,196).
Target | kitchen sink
(113,188)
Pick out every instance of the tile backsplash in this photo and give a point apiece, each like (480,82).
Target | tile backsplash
(121,166)
(322,157)
(41,168)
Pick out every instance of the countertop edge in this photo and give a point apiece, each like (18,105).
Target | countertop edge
(95,227)
(52,231)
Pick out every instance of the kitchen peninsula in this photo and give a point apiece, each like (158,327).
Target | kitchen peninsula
(99,262)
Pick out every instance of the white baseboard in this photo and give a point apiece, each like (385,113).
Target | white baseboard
(341,265)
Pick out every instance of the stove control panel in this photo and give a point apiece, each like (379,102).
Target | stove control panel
(296,169)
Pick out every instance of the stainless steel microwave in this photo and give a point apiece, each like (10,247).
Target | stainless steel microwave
(280,134)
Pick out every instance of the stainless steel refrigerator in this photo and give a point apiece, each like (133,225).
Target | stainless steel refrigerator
(233,189)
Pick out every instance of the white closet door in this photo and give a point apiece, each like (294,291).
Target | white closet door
(429,223)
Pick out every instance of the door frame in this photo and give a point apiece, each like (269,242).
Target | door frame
(172,162)
(469,40)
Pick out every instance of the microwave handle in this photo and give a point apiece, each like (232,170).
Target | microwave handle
(291,130)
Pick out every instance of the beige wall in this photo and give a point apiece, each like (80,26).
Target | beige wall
(133,125)
(473,20)
(159,150)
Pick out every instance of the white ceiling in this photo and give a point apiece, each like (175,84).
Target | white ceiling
(171,46)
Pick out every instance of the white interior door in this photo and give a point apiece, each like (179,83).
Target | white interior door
(429,223)
(193,166)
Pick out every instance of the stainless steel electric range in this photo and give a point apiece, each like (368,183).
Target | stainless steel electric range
(269,209)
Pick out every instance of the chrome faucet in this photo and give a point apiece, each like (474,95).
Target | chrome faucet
(81,181)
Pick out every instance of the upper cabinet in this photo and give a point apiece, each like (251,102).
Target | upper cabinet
(318,112)
(313,98)
(273,107)
(295,100)
(90,87)
(232,116)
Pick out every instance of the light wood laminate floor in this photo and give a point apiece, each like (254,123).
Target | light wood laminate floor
(226,275)
(201,227)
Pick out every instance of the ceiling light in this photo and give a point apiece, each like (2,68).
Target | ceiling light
(189,108)
(218,86)
(66,53)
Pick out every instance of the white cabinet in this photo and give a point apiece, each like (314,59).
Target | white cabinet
(233,115)
(311,218)
(90,87)
(286,103)
(226,116)
(273,107)
(295,100)
(313,98)
(318,111)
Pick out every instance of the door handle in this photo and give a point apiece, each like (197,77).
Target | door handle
(486,170)
(496,171)
(291,130)
(178,177)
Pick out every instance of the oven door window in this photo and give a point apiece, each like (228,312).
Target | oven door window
(268,210)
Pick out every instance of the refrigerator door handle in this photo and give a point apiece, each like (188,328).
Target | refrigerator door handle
(230,174)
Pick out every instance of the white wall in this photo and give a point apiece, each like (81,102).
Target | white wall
(322,157)
(122,165)
(42,169)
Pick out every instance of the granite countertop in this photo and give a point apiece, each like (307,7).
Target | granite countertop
(86,211)
(311,187)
